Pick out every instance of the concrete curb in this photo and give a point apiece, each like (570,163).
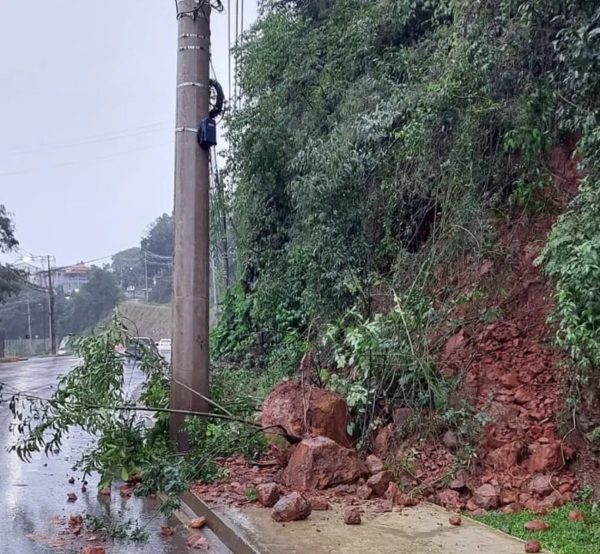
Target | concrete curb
(224,530)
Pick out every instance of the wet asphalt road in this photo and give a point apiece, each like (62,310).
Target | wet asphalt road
(33,495)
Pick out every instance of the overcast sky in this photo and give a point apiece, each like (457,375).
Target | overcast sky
(87,107)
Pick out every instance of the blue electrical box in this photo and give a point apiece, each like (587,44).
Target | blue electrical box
(207,133)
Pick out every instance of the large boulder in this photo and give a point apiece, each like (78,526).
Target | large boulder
(320,462)
(305,410)
(293,507)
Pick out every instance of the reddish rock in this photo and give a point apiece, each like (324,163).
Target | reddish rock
(319,504)
(547,457)
(364,492)
(326,412)
(576,515)
(268,494)
(406,501)
(125,491)
(513,508)
(510,381)
(508,496)
(197,523)
(450,499)
(380,481)
(536,525)
(486,497)
(455,520)
(523,396)
(457,485)
(383,440)
(93,549)
(319,463)
(532,546)
(166,531)
(543,506)
(197,542)
(352,516)
(453,344)
(71,497)
(293,507)
(506,456)
(541,485)
(374,464)
(479,512)
(104,492)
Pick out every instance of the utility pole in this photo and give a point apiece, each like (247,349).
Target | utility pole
(146,272)
(51,305)
(190,362)
(29,326)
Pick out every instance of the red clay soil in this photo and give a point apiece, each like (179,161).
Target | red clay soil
(514,374)
(511,372)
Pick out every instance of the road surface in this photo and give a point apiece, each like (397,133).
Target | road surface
(33,496)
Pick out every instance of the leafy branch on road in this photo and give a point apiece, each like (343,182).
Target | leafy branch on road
(94,398)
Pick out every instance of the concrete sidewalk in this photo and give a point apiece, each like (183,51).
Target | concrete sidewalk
(423,529)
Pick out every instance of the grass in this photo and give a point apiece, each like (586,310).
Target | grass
(563,537)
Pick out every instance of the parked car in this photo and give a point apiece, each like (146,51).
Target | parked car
(64,348)
(164,349)
(137,346)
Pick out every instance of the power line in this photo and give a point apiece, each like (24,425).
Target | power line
(94,139)
(85,160)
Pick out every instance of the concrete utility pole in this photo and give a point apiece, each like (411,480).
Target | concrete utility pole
(191,265)
(146,273)
(51,306)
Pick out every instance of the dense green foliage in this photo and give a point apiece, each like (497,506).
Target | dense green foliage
(379,139)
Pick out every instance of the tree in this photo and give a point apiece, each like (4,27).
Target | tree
(96,299)
(157,252)
(9,276)
(128,267)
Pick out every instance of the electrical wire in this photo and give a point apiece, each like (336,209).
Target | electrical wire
(84,160)
(95,139)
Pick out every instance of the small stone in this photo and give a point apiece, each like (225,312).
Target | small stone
(455,520)
(374,464)
(125,491)
(197,523)
(576,515)
(166,531)
(268,494)
(198,543)
(541,485)
(293,507)
(72,481)
(486,497)
(93,549)
(533,546)
(536,525)
(352,516)
(71,497)
(319,504)
(380,481)
(457,485)
(364,492)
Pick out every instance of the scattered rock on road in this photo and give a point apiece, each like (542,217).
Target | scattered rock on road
(197,523)
(455,520)
(71,497)
(268,494)
(293,507)
(352,516)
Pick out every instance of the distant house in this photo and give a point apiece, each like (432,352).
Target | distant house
(71,279)
(35,274)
